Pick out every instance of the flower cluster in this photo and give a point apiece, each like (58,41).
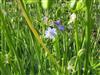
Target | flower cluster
(51,32)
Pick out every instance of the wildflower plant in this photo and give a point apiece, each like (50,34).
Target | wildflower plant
(31,44)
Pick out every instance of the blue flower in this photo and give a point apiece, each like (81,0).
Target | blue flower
(60,27)
(58,24)
(50,33)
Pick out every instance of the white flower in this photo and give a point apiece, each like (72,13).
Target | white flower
(70,67)
(72,18)
(50,33)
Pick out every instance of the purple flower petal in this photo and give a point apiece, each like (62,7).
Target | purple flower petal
(58,22)
(60,27)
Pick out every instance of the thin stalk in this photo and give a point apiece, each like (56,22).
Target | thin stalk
(76,37)
(88,30)
(77,45)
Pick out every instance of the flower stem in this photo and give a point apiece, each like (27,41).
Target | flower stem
(88,33)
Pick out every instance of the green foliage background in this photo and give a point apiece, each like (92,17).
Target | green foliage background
(26,52)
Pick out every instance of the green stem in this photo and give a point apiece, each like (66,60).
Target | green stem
(77,45)
(88,33)
(76,37)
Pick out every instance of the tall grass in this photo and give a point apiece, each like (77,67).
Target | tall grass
(24,50)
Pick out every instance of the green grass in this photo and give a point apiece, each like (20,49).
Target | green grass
(24,50)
